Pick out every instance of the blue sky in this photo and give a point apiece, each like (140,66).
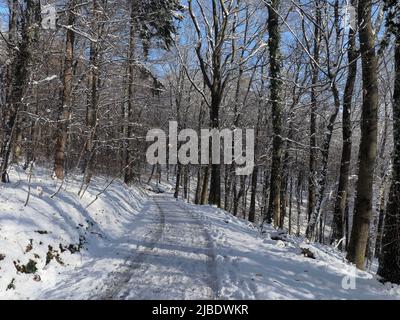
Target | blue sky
(3,15)
(3,7)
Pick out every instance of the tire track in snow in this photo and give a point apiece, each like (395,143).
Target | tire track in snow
(180,238)
(120,279)
(211,257)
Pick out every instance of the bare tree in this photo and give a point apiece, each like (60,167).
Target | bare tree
(390,256)
(215,79)
(368,146)
(67,98)
(22,33)
(274,208)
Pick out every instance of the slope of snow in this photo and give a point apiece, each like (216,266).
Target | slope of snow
(253,266)
(100,233)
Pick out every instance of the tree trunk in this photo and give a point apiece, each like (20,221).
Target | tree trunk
(299,200)
(316,214)
(380,222)
(252,210)
(274,208)
(92,111)
(17,76)
(198,186)
(390,251)
(204,189)
(341,198)
(65,110)
(264,205)
(128,114)
(186,182)
(214,197)
(33,134)
(368,146)
(226,186)
(312,177)
(290,205)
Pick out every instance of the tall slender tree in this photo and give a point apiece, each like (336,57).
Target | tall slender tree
(215,80)
(23,24)
(274,208)
(92,112)
(67,94)
(389,262)
(312,175)
(342,194)
(368,146)
(128,108)
(144,26)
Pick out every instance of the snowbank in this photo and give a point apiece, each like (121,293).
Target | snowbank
(253,266)
(56,238)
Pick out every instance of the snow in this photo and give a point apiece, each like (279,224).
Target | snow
(63,220)
(252,266)
(138,243)
(48,79)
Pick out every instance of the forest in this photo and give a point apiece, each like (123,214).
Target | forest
(82,82)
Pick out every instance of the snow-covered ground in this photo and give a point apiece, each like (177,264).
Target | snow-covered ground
(136,244)
(101,233)
(253,266)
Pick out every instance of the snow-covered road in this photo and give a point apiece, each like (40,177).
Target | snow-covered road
(174,258)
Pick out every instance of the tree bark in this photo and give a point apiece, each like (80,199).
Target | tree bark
(368,145)
(341,198)
(299,200)
(252,209)
(214,197)
(390,251)
(92,111)
(274,208)
(381,217)
(204,189)
(17,75)
(312,176)
(316,214)
(178,180)
(290,205)
(128,114)
(66,103)
(198,186)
